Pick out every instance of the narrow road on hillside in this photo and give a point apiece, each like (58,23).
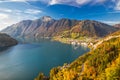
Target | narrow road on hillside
(106,39)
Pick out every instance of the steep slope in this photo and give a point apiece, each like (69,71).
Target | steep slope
(102,63)
(43,27)
(89,28)
(6,41)
(48,27)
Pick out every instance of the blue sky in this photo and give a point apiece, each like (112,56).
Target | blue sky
(13,11)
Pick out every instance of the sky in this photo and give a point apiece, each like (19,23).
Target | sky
(13,11)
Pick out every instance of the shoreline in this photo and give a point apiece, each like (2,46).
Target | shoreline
(87,42)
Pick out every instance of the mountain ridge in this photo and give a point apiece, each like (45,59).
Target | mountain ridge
(48,27)
(38,27)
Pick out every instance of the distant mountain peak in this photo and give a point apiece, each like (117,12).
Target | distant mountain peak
(46,18)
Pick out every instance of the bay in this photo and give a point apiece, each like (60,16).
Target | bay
(25,60)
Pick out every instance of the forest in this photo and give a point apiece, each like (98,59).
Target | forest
(102,63)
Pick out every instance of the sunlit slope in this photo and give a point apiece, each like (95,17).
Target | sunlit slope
(102,63)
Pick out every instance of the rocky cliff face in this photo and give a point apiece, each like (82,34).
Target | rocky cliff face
(6,41)
(48,27)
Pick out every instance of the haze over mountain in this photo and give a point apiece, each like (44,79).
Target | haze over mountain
(49,27)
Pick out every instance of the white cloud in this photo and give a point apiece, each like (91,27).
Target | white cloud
(32,11)
(53,2)
(7,20)
(115,4)
(28,11)
(65,2)
(5,10)
(117,7)
(81,2)
(76,3)
(17,12)
(3,16)
(99,2)
(17,0)
(110,22)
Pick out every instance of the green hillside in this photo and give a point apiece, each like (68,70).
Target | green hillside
(88,28)
(102,63)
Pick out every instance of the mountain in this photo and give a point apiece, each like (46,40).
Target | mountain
(102,63)
(43,27)
(6,41)
(48,27)
(89,28)
(117,26)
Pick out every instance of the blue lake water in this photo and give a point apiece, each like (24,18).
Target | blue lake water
(25,61)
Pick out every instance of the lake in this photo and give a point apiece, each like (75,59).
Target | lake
(25,60)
